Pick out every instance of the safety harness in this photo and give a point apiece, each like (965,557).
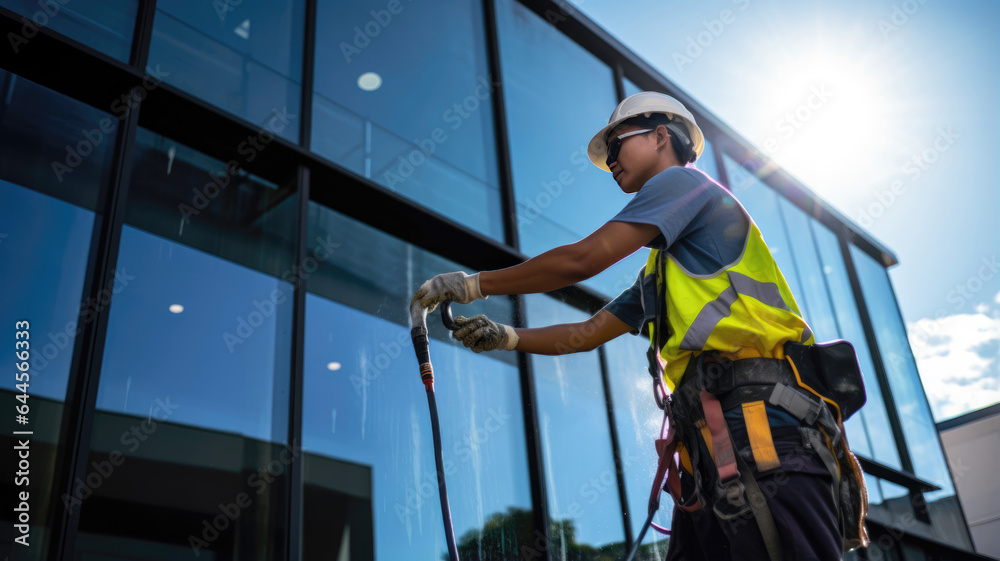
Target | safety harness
(820,384)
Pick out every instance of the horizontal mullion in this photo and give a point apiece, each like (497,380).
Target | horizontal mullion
(893,475)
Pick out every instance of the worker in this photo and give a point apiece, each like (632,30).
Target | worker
(720,316)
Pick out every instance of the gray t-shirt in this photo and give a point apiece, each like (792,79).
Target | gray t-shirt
(702,227)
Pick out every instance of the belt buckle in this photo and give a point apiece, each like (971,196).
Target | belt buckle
(730,499)
(734,492)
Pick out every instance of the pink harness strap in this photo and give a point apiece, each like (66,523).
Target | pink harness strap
(722,445)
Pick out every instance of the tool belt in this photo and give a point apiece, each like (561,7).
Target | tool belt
(821,385)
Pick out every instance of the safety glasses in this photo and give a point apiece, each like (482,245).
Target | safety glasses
(615,145)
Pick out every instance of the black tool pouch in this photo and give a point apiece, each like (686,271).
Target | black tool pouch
(832,370)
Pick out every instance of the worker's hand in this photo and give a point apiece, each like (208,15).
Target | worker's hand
(460,287)
(480,333)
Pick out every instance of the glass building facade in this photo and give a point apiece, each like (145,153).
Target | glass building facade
(212,216)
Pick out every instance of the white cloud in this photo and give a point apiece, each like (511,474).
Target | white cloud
(959,360)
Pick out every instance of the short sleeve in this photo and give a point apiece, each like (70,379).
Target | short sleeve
(673,201)
(628,306)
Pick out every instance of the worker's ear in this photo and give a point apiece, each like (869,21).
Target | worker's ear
(662,138)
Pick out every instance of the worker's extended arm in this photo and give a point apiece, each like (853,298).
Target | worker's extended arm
(480,334)
(572,263)
(556,268)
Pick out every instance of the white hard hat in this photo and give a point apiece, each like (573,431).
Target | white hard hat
(644,103)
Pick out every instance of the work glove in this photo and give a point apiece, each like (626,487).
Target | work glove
(460,287)
(480,333)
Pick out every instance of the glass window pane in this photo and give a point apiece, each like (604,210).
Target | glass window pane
(583,502)
(869,430)
(887,501)
(814,295)
(555,104)
(762,203)
(244,56)
(884,545)
(106,26)
(913,552)
(908,393)
(45,238)
(195,375)
(403,96)
(48,150)
(914,413)
(631,88)
(706,162)
(366,414)
(639,422)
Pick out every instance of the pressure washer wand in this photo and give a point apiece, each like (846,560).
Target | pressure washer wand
(421,346)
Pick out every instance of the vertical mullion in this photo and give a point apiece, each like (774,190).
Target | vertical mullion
(507,201)
(529,403)
(720,166)
(533,439)
(616,447)
(296,479)
(880,373)
(81,392)
(143,34)
(619,81)
(296,469)
(308,62)
(801,300)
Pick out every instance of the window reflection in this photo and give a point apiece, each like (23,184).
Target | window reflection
(869,430)
(403,96)
(554,105)
(43,141)
(106,26)
(762,203)
(911,402)
(639,422)
(631,88)
(365,409)
(583,502)
(706,162)
(245,56)
(45,241)
(193,399)
(212,334)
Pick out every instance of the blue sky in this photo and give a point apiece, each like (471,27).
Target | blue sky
(900,137)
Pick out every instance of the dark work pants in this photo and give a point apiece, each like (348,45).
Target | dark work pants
(798,495)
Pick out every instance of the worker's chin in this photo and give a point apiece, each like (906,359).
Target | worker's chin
(622,182)
(627,187)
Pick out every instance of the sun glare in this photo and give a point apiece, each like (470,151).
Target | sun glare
(832,119)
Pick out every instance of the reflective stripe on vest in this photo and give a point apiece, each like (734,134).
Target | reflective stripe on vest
(746,304)
(767,292)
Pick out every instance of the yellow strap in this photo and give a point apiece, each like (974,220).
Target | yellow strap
(764,454)
(685,458)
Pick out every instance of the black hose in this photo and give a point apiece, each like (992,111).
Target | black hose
(422,348)
(642,534)
(446,318)
(439,462)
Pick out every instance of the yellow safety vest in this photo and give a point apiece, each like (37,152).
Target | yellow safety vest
(746,308)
